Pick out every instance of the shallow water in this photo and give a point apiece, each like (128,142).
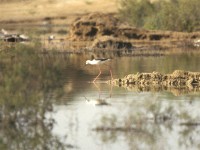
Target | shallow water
(48,102)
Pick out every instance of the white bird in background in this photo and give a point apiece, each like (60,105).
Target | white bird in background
(24,37)
(197,43)
(51,37)
(4,31)
(98,62)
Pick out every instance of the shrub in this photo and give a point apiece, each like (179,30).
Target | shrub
(177,15)
(136,12)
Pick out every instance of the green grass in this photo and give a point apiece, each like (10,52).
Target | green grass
(175,15)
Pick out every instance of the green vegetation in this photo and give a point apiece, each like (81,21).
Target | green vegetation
(176,15)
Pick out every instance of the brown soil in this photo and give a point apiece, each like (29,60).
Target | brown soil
(178,82)
(99,25)
(92,26)
(109,42)
(88,24)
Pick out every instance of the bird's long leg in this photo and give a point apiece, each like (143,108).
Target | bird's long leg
(97,75)
(111,74)
(97,87)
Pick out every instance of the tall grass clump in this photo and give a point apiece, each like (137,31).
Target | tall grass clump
(175,15)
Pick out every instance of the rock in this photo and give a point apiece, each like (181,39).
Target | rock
(158,36)
(190,82)
(179,80)
(92,26)
(179,74)
(109,42)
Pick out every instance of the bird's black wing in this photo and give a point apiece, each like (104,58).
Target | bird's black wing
(102,59)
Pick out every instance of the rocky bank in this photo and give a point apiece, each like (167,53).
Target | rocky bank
(177,82)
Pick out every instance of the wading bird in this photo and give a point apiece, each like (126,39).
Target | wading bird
(99,62)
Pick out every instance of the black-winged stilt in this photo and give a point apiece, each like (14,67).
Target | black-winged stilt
(99,62)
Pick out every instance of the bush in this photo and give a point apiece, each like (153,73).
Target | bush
(136,12)
(177,15)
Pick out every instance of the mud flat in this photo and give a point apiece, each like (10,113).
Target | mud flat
(94,25)
(105,31)
(178,82)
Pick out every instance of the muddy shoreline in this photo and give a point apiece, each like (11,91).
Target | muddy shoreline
(104,32)
(83,22)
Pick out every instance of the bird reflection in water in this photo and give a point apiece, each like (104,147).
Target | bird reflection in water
(99,101)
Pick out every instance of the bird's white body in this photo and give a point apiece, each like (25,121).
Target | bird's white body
(51,37)
(197,43)
(24,37)
(97,61)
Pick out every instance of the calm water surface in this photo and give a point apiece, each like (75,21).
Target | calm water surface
(48,103)
(76,116)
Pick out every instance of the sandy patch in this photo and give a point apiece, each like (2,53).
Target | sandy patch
(38,9)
